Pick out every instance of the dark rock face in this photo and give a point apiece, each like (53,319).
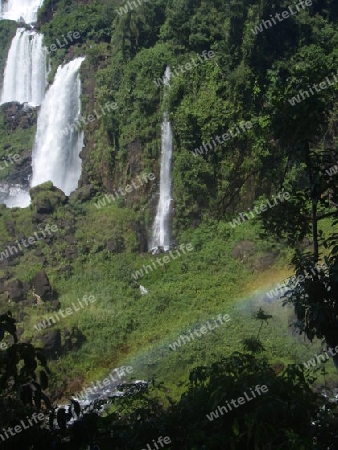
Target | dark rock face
(73,340)
(70,239)
(2,285)
(44,206)
(20,172)
(52,344)
(142,238)
(41,257)
(18,116)
(42,286)
(71,253)
(83,194)
(16,290)
(115,244)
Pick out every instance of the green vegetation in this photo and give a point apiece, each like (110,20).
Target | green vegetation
(123,326)
(96,251)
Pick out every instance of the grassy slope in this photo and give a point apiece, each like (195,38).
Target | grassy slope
(124,327)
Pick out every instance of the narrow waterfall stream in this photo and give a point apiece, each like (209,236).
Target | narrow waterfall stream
(161,235)
(57,145)
(25,75)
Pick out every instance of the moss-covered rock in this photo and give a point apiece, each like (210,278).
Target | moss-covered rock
(46,198)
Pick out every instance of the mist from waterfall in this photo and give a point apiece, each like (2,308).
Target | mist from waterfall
(161,235)
(57,146)
(20,10)
(25,76)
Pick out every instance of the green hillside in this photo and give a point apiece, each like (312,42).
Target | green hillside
(248,125)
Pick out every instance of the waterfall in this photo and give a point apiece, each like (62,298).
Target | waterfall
(57,145)
(162,224)
(57,142)
(20,10)
(25,76)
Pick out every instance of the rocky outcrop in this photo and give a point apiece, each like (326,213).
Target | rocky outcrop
(16,159)
(45,199)
(52,342)
(18,115)
(115,244)
(71,253)
(82,194)
(42,287)
(21,171)
(73,340)
(28,293)
(17,290)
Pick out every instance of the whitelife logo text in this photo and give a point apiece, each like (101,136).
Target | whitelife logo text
(127,189)
(18,428)
(99,385)
(312,362)
(206,146)
(139,273)
(259,390)
(317,87)
(293,281)
(203,330)
(49,321)
(285,15)
(262,207)
(206,55)
(31,240)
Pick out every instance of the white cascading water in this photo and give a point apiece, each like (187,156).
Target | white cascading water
(162,224)
(20,10)
(25,76)
(57,144)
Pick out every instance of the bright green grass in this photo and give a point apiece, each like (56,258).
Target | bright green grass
(125,328)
